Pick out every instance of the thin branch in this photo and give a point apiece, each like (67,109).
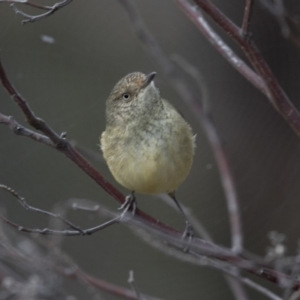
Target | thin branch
(247,281)
(203,248)
(236,286)
(62,264)
(18,129)
(30,18)
(104,285)
(47,231)
(26,2)
(23,202)
(259,288)
(88,153)
(32,119)
(275,93)
(183,90)
(236,62)
(134,286)
(247,18)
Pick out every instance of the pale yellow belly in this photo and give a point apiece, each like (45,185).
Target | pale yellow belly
(150,175)
(151,169)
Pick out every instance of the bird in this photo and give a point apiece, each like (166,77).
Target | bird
(148,146)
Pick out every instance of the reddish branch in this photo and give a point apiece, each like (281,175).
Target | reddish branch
(236,62)
(274,92)
(247,18)
(22,131)
(103,285)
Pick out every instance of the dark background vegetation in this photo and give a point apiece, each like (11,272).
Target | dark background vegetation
(67,82)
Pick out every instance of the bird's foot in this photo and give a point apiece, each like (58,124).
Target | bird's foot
(129,204)
(188,235)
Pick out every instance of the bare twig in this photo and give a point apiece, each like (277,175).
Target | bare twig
(104,285)
(61,264)
(88,153)
(247,18)
(47,231)
(276,95)
(236,286)
(23,131)
(26,2)
(236,62)
(259,288)
(22,201)
(30,18)
(202,248)
(246,281)
(134,286)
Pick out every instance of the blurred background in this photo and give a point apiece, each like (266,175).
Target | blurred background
(66,66)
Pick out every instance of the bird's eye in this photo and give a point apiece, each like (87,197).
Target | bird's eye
(126,96)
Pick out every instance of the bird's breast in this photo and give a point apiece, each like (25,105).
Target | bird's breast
(150,160)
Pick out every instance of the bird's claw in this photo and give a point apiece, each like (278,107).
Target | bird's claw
(189,235)
(129,204)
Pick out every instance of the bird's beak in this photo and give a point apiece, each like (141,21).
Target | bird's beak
(149,78)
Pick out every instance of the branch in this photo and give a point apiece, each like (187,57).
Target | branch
(198,247)
(134,286)
(23,131)
(236,62)
(46,231)
(103,285)
(247,18)
(27,264)
(274,92)
(30,18)
(22,201)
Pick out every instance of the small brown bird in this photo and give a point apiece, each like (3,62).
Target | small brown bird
(148,146)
